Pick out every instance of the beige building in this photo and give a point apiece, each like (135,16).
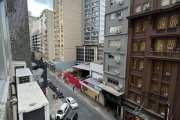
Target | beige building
(46,35)
(67,28)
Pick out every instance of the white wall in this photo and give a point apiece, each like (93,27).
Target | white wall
(96,70)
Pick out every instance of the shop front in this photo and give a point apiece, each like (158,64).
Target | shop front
(89,86)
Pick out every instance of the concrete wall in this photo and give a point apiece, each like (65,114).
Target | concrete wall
(72,28)
(96,70)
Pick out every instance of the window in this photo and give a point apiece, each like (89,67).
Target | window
(138,82)
(114,56)
(114,43)
(167,68)
(159,45)
(152,105)
(161,109)
(164,89)
(156,66)
(145,6)
(115,82)
(116,29)
(137,27)
(112,16)
(138,98)
(113,69)
(115,1)
(165,2)
(154,86)
(141,64)
(173,21)
(144,25)
(133,63)
(138,8)
(142,45)
(131,95)
(162,23)
(135,46)
(135,81)
(132,80)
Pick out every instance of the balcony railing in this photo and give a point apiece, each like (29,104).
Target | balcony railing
(175,54)
(172,30)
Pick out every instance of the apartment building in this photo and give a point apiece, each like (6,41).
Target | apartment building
(67,28)
(36,41)
(153,61)
(33,27)
(115,45)
(46,35)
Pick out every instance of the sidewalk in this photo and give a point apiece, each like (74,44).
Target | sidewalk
(108,115)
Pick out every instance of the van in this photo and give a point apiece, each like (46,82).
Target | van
(62,111)
(72,116)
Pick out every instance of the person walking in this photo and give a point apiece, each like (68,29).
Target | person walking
(95,97)
(73,87)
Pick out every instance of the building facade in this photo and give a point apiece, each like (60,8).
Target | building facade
(93,21)
(153,67)
(46,35)
(36,41)
(67,28)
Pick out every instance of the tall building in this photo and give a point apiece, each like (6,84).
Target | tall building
(36,41)
(46,35)
(67,28)
(115,45)
(33,27)
(153,61)
(93,21)
(19,30)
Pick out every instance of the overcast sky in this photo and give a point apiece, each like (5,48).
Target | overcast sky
(37,6)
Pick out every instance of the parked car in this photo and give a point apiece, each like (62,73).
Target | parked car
(62,111)
(72,103)
(72,116)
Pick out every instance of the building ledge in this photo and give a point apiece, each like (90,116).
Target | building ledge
(115,74)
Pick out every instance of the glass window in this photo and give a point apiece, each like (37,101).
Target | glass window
(144,25)
(133,63)
(162,23)
(145,6)
(142,45)
(161,109)
(137,27)
(114,43)
(131,95)
(138,8)
(112,16)
(165,2)
(115,1)
(167,68)
(159,45)
(156,66)
(138,98)
(154,86)
(152,105)
(173,22)
(116,29)
(135,46)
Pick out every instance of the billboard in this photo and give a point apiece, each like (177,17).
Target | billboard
(39,71)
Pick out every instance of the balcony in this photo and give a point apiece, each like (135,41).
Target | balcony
(164,32)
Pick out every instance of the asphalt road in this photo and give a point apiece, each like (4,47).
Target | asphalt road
(84,110)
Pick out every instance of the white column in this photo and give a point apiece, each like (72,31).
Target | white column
(15,112)
(20,116)
(46,112)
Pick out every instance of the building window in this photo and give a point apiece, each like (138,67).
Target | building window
(165,2)
(173,22)
(154,86)
(142,45)
(131,95)
(138,98)
(156,67)
(114,43)
(135,46)
(162,23)
(116,29)
(137,27)
(115,82)
(135,81)
(115,1)
(159,45)
(167,68)
(133,63)
(161,109)
(144,25)
(164,89)
(113,69)
(152,105)
(113,56)
(112,16)
(138,8)
(141,64)
(145,6)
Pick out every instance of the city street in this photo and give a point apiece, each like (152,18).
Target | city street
(84,110)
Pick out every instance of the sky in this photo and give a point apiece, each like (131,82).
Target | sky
(37,6)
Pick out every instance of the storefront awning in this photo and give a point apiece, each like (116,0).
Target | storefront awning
(91,84)
(110,90)
(82,66)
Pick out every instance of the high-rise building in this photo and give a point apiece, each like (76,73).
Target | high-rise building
(93,21)
(33,27)
(153,61)
(46,35)
(67,28)
(36,41)
(115,45)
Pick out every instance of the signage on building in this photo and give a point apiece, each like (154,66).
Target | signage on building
(39,71)
(89,84)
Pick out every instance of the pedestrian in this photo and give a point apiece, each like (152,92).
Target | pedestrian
(53,95)
(73,87)
(95,97)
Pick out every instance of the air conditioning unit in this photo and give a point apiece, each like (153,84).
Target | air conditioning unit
(138,102)
(121,2)
(118,47)
(141,68)
(104,83)
(117,73)
(118,31)
(100,80)
(23,75)
(120,88)
(168,74)
(119,18)
(32,103)
(173,25)
(117,61)
(146,8)
(16,65)
(170,48)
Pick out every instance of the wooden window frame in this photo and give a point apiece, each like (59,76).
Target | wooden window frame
(158,66)
(164,90)
(133,81)
(161,109)
(171,23)
(161,19)
(151,107)
(137,24)
(154,87)
(167,66)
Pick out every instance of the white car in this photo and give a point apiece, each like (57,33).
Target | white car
(72,103)
(62,111)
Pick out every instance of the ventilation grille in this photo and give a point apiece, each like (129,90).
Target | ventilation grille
(24,79)
(35,115)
